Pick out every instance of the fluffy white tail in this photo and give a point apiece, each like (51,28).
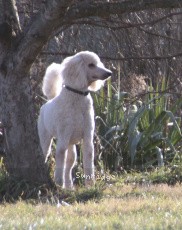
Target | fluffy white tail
(52,81)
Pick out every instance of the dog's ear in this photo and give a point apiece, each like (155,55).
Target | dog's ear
(74,72)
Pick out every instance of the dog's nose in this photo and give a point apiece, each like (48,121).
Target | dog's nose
(107,74)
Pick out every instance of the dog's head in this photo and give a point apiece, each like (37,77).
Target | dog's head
(84,70)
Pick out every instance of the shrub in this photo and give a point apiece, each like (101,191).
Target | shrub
(138,133)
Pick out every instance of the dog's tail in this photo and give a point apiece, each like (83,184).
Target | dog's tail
(52,82)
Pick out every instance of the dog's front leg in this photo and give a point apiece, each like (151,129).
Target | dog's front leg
(88,163)
(70,162)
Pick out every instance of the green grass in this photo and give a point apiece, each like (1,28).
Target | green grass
(121,207)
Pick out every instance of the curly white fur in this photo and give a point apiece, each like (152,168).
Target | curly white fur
(69,116)
(52,81)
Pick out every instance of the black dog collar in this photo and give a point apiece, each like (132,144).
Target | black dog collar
(76,91)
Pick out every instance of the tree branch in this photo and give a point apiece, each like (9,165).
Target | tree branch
(11,15)
(117,25)
(90,8)
(177,55)
(9,21)
(160,35)
(60,13)
(38,33)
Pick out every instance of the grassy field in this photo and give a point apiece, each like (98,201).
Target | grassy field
(120,207)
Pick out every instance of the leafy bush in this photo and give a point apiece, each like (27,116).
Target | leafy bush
(137,133)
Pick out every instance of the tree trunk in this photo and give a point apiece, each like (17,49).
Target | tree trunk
(24,159)
(17,109)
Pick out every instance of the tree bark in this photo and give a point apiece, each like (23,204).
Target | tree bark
(17,110)
(24,159)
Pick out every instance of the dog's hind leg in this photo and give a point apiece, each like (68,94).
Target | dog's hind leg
(46,146)
(45,140)
(70,162)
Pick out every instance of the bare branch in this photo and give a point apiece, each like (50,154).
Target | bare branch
(56,14)
(38,33)
(99,9)
(160,35)
(172,56)
(11,15)
(116,25)
(145,58)
(9,21)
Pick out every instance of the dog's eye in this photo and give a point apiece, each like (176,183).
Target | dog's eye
(91,65)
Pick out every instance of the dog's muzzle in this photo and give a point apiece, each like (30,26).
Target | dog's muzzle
(107,74)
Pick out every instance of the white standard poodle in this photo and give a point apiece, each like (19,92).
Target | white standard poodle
(69,115)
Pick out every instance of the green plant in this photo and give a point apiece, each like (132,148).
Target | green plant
(138,133)
(149,135)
